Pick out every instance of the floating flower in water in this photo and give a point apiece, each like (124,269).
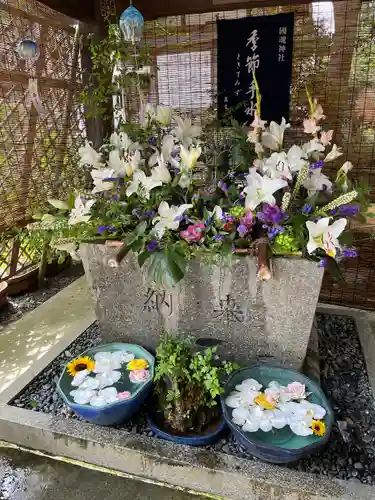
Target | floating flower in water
(194,233)
(318,428)
(139,376)
(124,395)
(82,396)
(107,379)
(293,391)
(138,364)
(80,364)
(264,402)
(104,397)
(106,362)
(80,377)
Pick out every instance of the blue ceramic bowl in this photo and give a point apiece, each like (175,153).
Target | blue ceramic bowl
(278,446)
(119,411)
(210,437)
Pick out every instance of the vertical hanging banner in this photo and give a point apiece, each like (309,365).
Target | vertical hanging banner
(263,45)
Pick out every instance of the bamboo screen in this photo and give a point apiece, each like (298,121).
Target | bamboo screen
(38,153)
(333,54)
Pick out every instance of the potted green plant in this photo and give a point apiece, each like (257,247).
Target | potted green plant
(188,386)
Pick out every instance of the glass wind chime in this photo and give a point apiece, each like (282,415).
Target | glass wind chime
(131,25)
(28,50)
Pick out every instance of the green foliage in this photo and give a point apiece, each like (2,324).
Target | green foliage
(188,381)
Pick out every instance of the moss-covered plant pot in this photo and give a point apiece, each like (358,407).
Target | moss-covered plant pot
(121,410)
(277,446)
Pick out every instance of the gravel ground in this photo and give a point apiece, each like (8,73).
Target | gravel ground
(350,453)
(24,303)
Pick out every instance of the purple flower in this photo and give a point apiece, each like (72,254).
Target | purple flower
(242,230)
(307,209)
(246,224)
(135,213)
(195,197)
(228,218)
(349,252)
(272,214)
(113,179)
(346,210)
(317,164)
(152,246)
(116,197)
(221,185)
(106,229)
(153,141)
(219,237)
(242,196)
(323,262)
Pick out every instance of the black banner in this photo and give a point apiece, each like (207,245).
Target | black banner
(263,45)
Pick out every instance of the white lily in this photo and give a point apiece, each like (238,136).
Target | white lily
(347,167)
(120,141)
(296,158)
(81,211)
(117,163)
(142,185)
(161,173)
(185,131)
(168,217)
(163,115)
(277,166)
(104,397)
(274,137)
(166,150)
(68,247)
(260,189)
(333,154)
(217,213)
(316,181)
(322,235)
(98,177)
(147,114)
(313,146)
(133,163)
(189,157)
(89,156)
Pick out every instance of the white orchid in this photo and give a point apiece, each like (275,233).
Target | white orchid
(260,189)
(186,131)
(274,137)
(116,162)
(316,181)
(169,217)
(163,115)
(89,156)
(81,211)
(98,176)
(324,236)
(333,154)
(161,173)
(142,185)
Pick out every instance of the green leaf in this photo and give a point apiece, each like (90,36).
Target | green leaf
(141,228)
(142,257)
(333,268)
(167,268)
(137,244)
(61,205)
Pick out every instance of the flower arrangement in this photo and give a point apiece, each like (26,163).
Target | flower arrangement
(149,193)
(188,383)
(95,378)
(275,408)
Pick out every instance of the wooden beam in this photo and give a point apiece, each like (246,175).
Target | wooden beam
(82,10)
(23,78)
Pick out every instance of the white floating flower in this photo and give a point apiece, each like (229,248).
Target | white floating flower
(259,420)
(123,356)
(107,378)
(89,156)
(98,176)
(106,362)
(260,189)
(169,217)
(104,397)
(80,377)
(82,396)
(185,131)
(293,391)
(240,415)
(322,235)
(274,137)
(81,210)
(316,181)
(317,412)
(301,426)
(249,384)
(163,115)
(142,185)
(91,383)
(333,154)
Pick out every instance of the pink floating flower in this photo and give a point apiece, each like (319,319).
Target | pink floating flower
(194,233)
(138,376)
(124,395)
(293,391)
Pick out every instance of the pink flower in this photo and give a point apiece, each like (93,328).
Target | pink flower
(310,126)
(124,395)
(194,233)
(272,396)
(326,137)
(258,122)
(318,113)
(138,376)
(296,390)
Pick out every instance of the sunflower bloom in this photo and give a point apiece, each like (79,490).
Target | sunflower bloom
(318,427)
(262,401)
(80,364)
(137,364)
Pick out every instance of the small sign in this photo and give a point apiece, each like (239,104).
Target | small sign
(263,45)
